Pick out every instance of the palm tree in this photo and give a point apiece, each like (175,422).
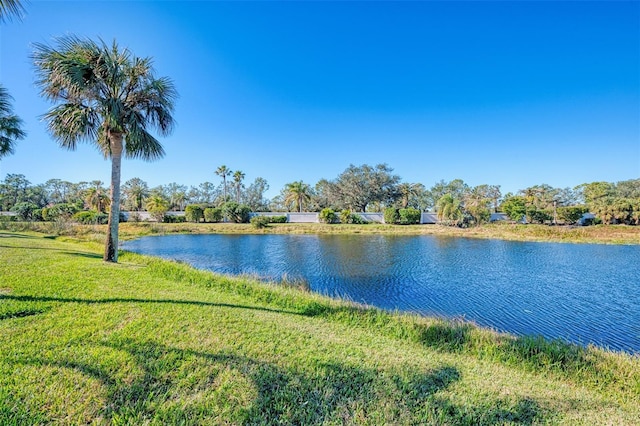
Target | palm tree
(108,97)
(96,197)
(178,199)
(449,209)
(177,195)
(408,190)
(10,125)
(10,7)
(477,202)
(297,193)
(223,171)
(238,176)
(136,190)
(157,207)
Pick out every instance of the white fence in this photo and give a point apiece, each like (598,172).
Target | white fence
(429,218)
(303,217)
(145,216)
(292,217)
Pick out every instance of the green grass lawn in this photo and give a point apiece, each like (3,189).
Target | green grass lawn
(147,341)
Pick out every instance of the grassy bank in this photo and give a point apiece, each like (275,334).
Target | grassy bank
(151,341)
(602,234)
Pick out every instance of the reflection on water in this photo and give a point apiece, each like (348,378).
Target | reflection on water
(582,293)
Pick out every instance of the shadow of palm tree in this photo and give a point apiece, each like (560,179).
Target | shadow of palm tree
(63,251)
(4,234)
(524,411)
(83,254)
(328,392)
(27,298)
(20,313)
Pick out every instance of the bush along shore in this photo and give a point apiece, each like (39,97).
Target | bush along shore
(149,341)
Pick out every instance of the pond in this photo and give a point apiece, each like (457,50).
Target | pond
(583,293)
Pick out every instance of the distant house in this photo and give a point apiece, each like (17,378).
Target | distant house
(495,217)
(586,219)
(429,218)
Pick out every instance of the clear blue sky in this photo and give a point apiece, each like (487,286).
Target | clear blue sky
(506,93)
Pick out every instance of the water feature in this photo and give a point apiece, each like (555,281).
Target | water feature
(584,293)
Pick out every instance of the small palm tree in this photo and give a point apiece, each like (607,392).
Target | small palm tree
(96,197)
(108,97)
(238,176)
(297,193)
(157,207)
(136,191)
(449,209)
(10,125)
(408,190)
(223,171)
(178,199)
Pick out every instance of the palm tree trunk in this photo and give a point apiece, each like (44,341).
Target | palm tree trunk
(111,243)
(224,187)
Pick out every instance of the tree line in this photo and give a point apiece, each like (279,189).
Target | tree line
(357,189)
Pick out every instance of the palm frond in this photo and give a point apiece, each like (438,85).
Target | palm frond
(5,101)
(65,73)
(71,123)
(10,125)
(9,8)
(141,144)
(7,145)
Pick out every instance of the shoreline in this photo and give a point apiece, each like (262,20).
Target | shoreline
(596,234)
(599,234)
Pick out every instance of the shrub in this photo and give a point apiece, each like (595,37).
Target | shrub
(347,217)
(237,213)
(358,220)
(91,217)
(193,213)
(391,215)
(59,211)
(277,219)
(327,216)
(539,216)
(213,214)
(592,221)
(25,210)
(515,207)
(7,218)
(37,215)
(479,214)
(157,212)
(571,214)
(170,218)
(44,213)
(409,216)
(260,222)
